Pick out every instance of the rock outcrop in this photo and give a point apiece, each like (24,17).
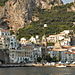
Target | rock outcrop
(71,8)
(47,4)
(19,13)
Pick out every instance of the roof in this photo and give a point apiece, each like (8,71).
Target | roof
(68,46)
(59,49)
(70,52)
(53,35)
(4,30)
(61,34)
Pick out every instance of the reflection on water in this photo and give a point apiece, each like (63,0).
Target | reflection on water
(37,71)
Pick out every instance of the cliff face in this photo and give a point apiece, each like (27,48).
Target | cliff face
(18,13)
(71,8)
(47,4)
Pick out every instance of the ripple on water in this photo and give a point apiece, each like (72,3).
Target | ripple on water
(37,71)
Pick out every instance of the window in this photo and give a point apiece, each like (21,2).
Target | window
(11,43)
(12,55)
(6,45)
(5,33)
(69,54)
(8,39)
(2,33)
(11,39)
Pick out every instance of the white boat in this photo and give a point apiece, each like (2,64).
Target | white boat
(61,66)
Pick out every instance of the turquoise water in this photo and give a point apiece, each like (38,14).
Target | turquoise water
(37,71)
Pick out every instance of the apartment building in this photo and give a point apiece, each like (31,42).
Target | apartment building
(22,55)
(13,43)
(4,32)
(62,39)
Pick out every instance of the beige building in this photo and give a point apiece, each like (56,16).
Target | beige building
(18,56)
(63,37)
(52,38)
(61,40)
(4,43)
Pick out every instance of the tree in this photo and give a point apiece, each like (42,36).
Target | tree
(39,59)
(50,44)
(54,59)
(57,19)
(48,58)
(2,2)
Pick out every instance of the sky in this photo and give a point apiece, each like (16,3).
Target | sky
(67,1)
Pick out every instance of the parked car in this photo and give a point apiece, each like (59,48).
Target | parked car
(67,62)
(73,62)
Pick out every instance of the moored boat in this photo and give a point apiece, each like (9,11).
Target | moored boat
(61,66)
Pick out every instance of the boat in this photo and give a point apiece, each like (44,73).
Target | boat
(61,66)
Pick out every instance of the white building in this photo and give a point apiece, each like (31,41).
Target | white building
(64,39)
(52,38)
(32,39)
(8,40)
(23,41)
(37,52)
(13,43)
(4,32)
(4,42)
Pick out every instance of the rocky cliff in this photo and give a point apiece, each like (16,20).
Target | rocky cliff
(18,13)
(71,7)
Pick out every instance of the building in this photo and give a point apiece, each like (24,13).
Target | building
(8,43)
(7,40)
(22,55)
(4,43)
(35,39)
(61,40)
(32,39)
(23,41)
(13,43)
(37,52)
(52,38)
(4,32)
(18,56)
(4,46)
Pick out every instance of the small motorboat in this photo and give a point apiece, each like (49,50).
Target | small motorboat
(61,66)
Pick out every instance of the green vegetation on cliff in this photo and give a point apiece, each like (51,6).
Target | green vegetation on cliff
(2,2)
(57,19)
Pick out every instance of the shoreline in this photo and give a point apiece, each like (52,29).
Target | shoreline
(35,65)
